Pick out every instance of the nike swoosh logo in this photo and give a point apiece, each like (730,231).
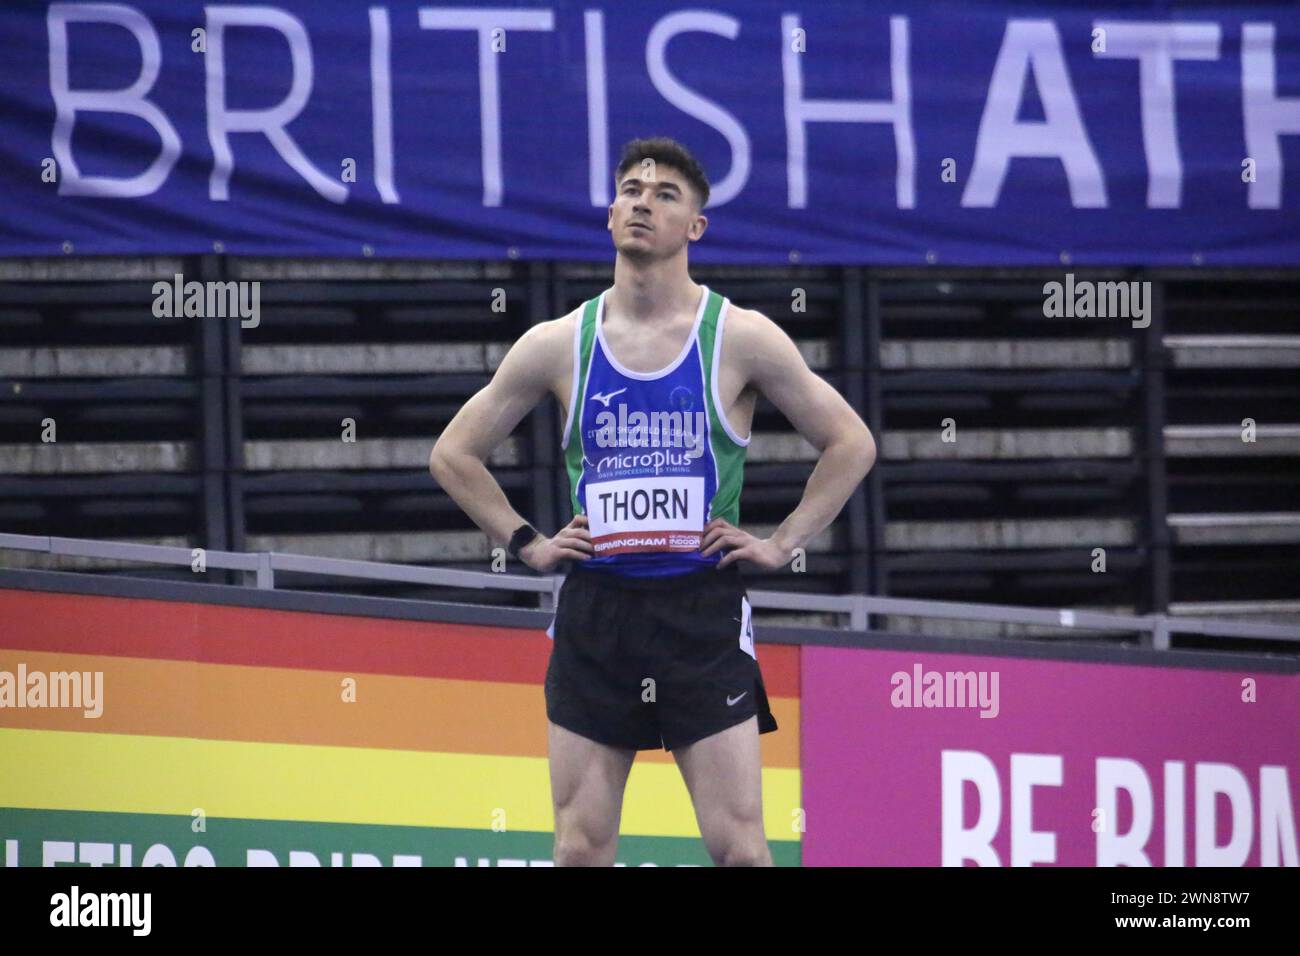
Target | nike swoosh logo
(733,703)
(605,399)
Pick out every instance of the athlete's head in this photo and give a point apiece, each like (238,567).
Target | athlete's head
(659,194)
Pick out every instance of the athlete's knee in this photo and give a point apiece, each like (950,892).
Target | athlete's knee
(740,842)
(576,845)
(745,850)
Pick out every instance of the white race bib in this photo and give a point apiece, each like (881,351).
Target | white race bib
(651,513)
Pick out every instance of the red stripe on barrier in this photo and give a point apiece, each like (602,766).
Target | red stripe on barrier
(183,630)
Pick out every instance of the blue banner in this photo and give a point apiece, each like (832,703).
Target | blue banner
(832,132)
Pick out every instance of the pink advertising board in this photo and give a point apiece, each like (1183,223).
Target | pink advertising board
(928,759)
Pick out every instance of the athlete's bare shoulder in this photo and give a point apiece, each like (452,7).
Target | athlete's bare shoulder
(770,362)
(554,333)
(755,346)
(565,326)
(539,357)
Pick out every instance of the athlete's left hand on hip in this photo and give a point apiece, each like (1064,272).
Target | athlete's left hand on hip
(719,534)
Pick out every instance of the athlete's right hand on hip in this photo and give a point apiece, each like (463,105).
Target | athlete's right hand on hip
(571,543)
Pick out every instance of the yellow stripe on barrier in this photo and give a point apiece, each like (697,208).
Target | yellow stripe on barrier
(63,770)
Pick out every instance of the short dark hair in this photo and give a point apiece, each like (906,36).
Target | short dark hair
(666,152)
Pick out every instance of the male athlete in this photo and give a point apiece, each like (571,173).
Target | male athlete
(652,640)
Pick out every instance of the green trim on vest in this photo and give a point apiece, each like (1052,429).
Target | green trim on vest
(573,446)
(729,457)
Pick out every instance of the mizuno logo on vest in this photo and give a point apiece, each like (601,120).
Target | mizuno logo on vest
(653,430)
(604,399)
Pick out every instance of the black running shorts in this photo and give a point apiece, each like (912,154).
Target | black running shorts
(644,663)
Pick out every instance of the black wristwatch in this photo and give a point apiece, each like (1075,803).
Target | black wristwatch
(523,536)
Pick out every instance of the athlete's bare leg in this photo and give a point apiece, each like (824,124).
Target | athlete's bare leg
(724,776)
(587,781)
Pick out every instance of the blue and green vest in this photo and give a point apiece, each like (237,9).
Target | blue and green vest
(654,458)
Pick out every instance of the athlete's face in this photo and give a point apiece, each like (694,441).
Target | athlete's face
(655,213)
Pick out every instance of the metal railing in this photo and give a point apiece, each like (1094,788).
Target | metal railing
(261,568)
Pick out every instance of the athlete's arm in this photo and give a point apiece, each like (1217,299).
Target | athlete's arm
(458,460)
(771,364)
